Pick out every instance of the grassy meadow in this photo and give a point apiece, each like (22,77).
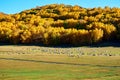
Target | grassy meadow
(47,63)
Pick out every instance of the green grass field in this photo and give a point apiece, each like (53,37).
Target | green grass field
(45,66)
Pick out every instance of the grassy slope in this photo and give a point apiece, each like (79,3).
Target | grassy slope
(45,66)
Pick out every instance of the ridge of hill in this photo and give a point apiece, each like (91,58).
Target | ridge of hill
(56,24)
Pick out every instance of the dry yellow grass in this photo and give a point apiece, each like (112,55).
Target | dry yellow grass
(45,66)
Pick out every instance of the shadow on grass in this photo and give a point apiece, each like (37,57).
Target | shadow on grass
(102,44)
(61,63)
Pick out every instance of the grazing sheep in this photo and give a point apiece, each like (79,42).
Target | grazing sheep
(109,54)
(105,54)
(71,55)
(99,54)
(78,55)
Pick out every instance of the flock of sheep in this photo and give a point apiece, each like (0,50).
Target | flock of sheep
(71,52)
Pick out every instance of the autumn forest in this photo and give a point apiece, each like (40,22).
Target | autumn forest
(57,24)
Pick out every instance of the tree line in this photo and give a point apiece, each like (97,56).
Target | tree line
(61,24)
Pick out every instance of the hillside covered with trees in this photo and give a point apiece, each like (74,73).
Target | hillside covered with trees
(57,24)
